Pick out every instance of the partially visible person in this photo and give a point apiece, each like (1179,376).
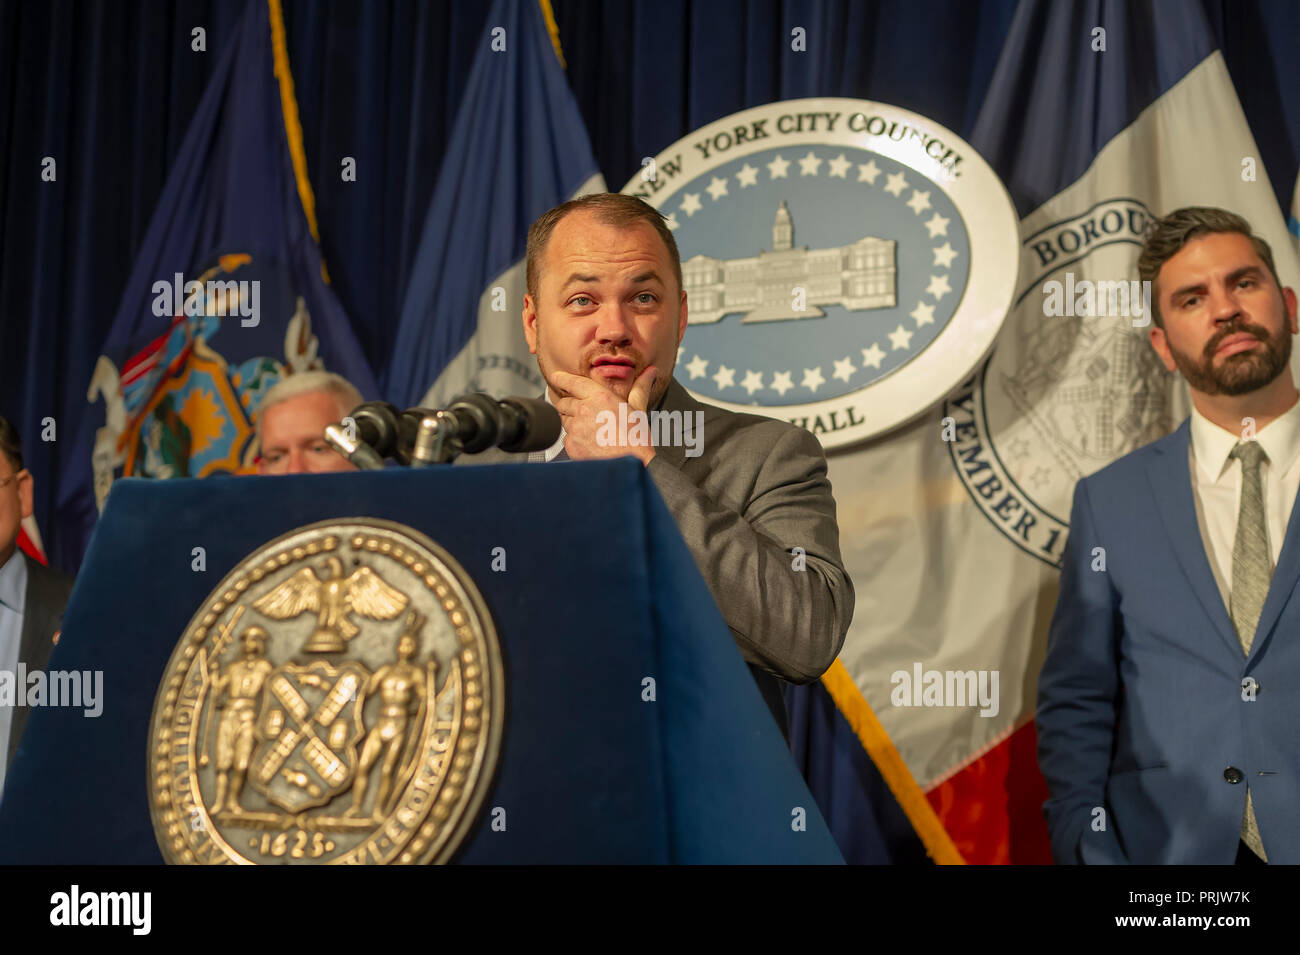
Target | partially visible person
(32,596)
(292,421)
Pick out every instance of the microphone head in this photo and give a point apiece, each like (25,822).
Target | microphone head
(535,425)
(477,422)
(377,423)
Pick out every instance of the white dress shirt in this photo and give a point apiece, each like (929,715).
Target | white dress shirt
(558,446)
(1216,486)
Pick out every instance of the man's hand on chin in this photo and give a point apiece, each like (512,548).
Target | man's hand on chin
(589,434)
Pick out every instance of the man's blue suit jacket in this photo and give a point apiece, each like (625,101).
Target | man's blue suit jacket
(1140,700)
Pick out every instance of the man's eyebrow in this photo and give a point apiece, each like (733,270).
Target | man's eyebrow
(649,276)
(1233,276)
(1243,272)
(1186,290)
(580,279)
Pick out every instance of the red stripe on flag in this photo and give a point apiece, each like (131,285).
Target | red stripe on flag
(30,549)
(148,357)
(993,808)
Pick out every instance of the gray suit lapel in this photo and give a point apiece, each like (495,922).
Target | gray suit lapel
(677,399)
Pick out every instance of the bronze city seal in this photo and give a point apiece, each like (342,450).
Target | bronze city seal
(337,698)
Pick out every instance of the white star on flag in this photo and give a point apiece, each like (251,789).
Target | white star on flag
(717,188)
(937,225)
(673,224)
(752,381)
(844,369)
(938,286)
(895,184)
(840,167)
(919,202)
(867,172)
(873,356)
(923,313)
(808,165)
(900,337)
(944,255)
(691,203)
(777,167)
(697,366)
(747,175)
(781,383)
(812,378)
(724,377)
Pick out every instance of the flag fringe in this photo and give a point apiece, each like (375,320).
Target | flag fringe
(292,125)
(553,29)
(938,844)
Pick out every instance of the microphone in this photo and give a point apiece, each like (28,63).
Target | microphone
(371,437)
(476,422)
(362,455)
(376,425)
(527,424)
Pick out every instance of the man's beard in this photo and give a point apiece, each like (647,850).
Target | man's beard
(1237,374)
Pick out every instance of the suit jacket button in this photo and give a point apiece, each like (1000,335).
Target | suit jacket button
(1233,775)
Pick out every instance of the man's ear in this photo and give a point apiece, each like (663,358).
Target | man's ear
(681,320)
(1161,345)
(1288,296)
(530,323)
(25,489)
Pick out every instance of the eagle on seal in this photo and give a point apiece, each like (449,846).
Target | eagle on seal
(332,597)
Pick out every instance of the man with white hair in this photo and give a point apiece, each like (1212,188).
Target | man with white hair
(292,422)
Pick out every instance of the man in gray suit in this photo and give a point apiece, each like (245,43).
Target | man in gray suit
(605,315)
(32,596)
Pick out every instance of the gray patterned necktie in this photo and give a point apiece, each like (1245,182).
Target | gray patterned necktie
(1252,569)
(539,457)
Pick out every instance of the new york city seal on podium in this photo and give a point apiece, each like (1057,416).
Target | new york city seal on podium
(337,699)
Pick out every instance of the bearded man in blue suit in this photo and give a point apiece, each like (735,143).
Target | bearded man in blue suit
(1168,704)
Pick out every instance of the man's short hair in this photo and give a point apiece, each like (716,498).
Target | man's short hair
(1166,237)
(10,445)
(611,208)
(306,382)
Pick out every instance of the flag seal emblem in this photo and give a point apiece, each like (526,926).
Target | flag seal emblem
(338,698)
(847,263)
(1068,389)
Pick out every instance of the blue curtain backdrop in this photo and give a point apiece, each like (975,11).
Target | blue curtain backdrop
(108,89)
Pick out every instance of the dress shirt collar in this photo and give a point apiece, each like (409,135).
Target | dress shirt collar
(13,582)
(554,450)
(1280,439)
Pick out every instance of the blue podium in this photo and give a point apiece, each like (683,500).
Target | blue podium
(597,593)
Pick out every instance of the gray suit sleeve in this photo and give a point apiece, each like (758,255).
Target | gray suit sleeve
(788,621)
